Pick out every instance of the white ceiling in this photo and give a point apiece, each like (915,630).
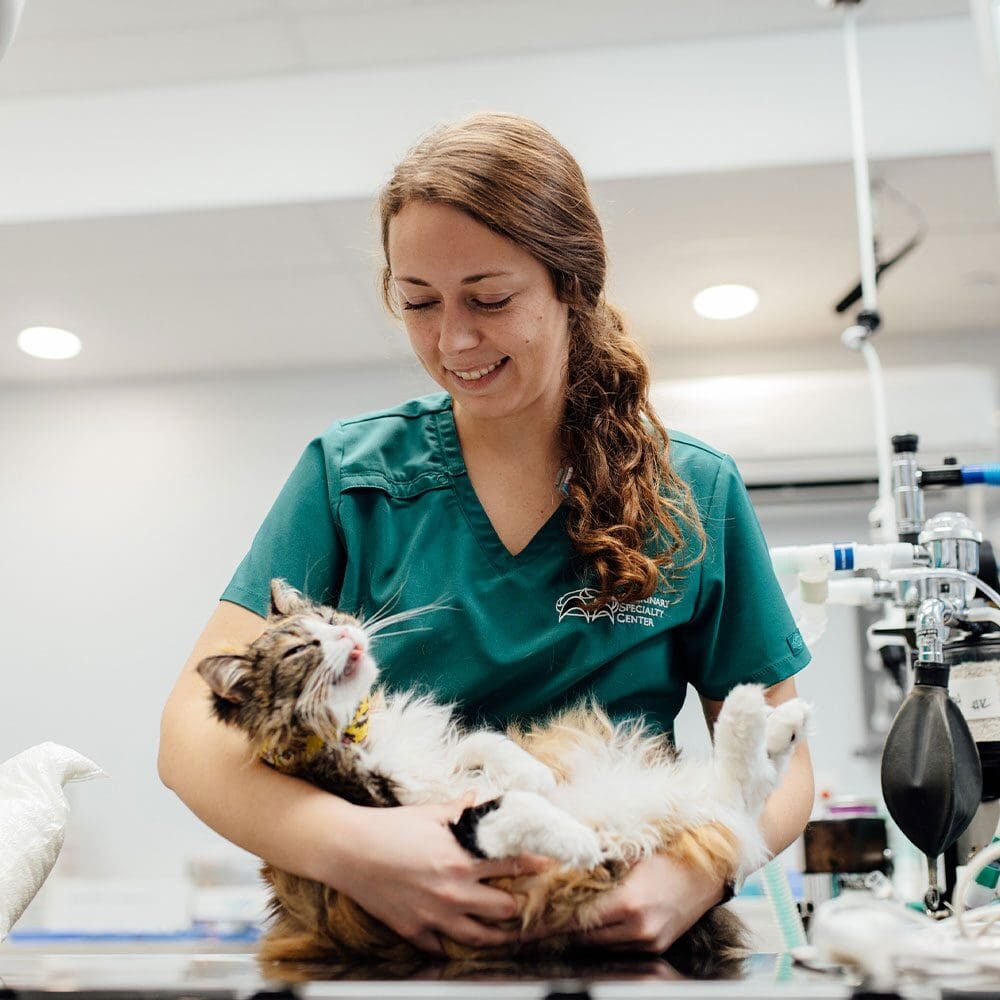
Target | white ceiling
(295,286)
(292,286)
(84,45)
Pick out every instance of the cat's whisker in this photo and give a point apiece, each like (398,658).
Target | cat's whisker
(402,616)
(379,615)
(405,631)
(385,607)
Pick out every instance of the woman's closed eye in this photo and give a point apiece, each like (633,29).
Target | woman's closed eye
(488,306)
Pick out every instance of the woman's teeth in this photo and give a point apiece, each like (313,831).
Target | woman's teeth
(472,376)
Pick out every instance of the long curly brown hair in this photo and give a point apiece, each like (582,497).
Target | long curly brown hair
(627,507)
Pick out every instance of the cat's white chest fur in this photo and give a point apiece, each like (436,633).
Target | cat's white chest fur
(418,743)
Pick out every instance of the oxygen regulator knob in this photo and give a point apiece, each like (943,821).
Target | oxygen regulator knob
(903,443)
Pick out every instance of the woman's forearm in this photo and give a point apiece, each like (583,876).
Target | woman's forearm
(283,820)
(787,810)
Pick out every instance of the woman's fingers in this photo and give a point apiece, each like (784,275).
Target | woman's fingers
(451,812)
(471,932)
(609,910)
(486,903)
(427,941)
(603,937)
(523,864)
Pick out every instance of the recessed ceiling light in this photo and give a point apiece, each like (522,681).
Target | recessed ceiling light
(49,342)
(725,301)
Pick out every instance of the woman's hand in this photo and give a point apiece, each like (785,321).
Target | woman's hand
(656,903)
(405,867)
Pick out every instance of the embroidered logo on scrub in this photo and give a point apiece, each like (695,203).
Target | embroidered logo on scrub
(645,612)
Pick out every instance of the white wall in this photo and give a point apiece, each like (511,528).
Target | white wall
(126,509)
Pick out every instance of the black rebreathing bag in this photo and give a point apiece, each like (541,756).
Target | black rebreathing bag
(932,778)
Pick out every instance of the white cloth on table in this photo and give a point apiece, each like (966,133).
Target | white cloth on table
(33,815)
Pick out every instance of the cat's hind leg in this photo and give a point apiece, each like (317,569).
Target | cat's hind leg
(522,821)
(753,743)
(743,770)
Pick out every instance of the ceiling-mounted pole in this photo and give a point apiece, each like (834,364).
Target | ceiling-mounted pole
(882,517)
(10,14)
(862,180)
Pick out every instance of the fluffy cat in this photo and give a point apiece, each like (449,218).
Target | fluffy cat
(594,795)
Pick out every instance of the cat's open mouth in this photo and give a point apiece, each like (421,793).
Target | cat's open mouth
(351,665)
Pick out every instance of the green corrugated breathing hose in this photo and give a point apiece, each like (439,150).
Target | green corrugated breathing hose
(786,913)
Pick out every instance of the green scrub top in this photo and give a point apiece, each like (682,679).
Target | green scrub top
(380,511)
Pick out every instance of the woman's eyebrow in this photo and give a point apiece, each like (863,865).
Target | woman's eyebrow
(471,280)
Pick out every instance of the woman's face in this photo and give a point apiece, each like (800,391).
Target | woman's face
(481,313)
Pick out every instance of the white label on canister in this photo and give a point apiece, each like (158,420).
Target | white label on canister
(977,697)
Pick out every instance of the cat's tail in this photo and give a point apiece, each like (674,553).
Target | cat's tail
(291,946)
(714,948)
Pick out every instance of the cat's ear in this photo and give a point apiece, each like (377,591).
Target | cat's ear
(228,675)
(286,600)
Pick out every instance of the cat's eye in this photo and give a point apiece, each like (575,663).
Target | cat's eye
(298,649)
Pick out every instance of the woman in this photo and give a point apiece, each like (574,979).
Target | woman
(535,498)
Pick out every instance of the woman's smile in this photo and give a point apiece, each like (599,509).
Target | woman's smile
(481,376)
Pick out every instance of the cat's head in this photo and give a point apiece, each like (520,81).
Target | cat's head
(306,673)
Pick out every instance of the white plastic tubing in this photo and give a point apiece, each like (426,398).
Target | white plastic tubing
(813,565)
(951,574)
(884,512)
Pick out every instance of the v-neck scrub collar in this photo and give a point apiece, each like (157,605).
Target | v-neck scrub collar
(380,511)
(553,530)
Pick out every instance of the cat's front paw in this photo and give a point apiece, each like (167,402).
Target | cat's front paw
(512,767)
(504,763)
(576,848)
(786,725)
(526,822)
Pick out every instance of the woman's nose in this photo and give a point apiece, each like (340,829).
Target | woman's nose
(457,331)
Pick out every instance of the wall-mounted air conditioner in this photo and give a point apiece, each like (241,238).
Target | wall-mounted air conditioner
(805,428)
